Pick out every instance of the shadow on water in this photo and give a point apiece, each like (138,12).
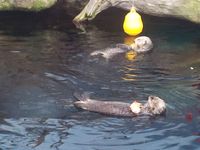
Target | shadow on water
(44,60)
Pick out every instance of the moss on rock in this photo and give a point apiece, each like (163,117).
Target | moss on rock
(5,5)
(28,5)
(41,4)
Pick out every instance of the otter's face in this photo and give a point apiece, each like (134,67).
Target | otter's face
(143,44)
(155,105)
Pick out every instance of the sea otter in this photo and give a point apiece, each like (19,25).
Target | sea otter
(141,44)
(154,106)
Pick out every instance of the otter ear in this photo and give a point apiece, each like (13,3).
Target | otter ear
(151,97)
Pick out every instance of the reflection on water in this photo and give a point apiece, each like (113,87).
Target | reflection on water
(42,66)
(99,133)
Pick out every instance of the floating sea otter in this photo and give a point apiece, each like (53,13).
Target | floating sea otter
(154,106)
(141,44)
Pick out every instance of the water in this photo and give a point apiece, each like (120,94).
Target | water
(44,60)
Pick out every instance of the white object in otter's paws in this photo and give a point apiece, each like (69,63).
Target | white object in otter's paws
(136,107)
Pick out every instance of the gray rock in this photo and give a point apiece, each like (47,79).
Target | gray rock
(184,9)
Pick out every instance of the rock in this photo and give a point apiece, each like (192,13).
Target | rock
(28,5)
(73,7)
(183,9)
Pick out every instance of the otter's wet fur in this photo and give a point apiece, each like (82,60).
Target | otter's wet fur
(141,44)
(154,106)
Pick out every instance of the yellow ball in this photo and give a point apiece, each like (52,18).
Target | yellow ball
(133,24)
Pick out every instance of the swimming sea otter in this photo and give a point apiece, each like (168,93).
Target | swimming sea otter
(141,44)
(154,106)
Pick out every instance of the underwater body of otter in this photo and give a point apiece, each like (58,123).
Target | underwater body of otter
(45,59)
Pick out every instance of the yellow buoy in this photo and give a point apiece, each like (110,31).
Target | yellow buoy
(133,24)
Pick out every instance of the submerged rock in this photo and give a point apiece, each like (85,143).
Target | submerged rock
(28,5)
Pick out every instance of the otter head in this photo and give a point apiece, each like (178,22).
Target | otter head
(142,44)
(154,106)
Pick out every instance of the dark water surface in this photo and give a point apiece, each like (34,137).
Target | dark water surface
(44,60)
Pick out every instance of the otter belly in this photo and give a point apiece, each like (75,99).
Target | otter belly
(111,52)
(106,107)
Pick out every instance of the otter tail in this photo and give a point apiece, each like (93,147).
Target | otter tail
(82,99)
